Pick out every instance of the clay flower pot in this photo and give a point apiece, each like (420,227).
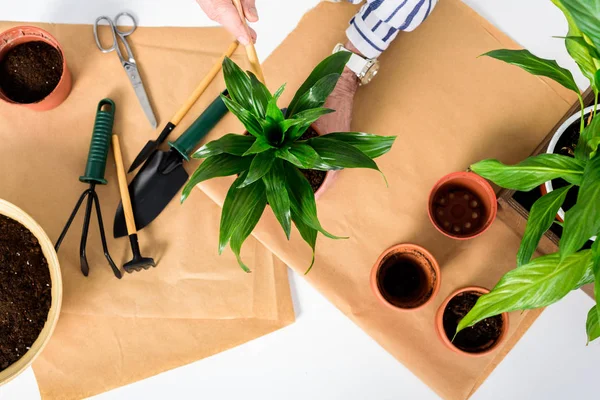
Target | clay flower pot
(462,205)
(469,342)
(405,277)
(24,34)
(9,210)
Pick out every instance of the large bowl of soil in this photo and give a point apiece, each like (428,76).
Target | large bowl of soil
(30,290)
(478,340)
(564,142)
(33,69)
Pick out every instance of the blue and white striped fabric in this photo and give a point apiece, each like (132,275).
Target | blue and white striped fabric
(378,22)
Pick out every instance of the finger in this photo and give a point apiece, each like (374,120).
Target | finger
(250,11)
(225,13)
(252,34)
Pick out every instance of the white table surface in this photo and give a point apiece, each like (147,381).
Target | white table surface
(324,355)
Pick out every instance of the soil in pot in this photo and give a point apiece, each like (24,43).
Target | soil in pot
(458,211)
(403,282)
(30,71)
(316,178)
(25,290)
(477,338)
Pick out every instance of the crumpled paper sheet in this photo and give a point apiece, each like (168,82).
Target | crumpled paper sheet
(195,303)
(449,109)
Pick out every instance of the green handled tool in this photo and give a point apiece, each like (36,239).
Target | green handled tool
(94,175)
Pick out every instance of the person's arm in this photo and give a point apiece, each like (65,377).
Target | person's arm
(225,13)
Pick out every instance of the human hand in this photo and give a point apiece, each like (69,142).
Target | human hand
(225,13)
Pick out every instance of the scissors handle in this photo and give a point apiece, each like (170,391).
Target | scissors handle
(116,35)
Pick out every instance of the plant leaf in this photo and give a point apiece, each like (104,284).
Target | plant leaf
(540,283)
(594,144)
(279,92)
(213,167)
(303,156)
(334,64)
(260,166)
(260,94)
(314,97)
(536,66)
(372,145)
(542,215)
(580,40)
(309,235)
(596,269)
(587,138)
(238,84)
(582,221)
(245,117)
(586,14)
(258,146)
(592,325)
(231,143)
(239,203)
(277,195)
(302,200)
(531,172)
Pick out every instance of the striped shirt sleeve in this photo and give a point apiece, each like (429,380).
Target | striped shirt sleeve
(378,22)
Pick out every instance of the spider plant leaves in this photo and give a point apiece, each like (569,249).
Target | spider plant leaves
(277,195)
(542,215)
(216,166)
(586,15)
(372,146)
(334,64)
(260,166)
(536,66)
(309,235)
(315,96)
(542,282)
(592,325)
(231,143)
(259,145)
(246,117)
(302,200)
(583,220)
(238,85)
(239,204)
(531,172)
(303,156)
(588,139)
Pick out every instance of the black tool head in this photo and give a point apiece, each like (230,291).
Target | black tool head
(138,263)
(146,152)
(153,188)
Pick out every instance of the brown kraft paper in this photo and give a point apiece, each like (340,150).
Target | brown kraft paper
(195,303)
(448,108)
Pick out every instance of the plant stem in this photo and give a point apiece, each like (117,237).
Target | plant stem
(582,124)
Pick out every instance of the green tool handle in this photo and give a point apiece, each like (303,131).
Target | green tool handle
(188,141)
(103,126)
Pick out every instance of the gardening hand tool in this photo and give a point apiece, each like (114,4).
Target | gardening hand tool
(154,144)
(163,175)
(94,175)
(128,63)
(138,262)
(250,50)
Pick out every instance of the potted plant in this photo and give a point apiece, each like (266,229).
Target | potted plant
(549,278)
(30,290)
(273,161)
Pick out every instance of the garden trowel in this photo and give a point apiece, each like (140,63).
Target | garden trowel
(163,175)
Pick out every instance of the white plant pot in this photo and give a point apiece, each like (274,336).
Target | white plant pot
(552,146)
(9,210)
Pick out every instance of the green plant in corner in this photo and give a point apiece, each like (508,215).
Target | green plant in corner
(547,279)
(268,161)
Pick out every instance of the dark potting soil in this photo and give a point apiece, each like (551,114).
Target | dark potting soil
(477,338)
(403,282)
(25,290)
(316,178)
(30,71)
(459,211)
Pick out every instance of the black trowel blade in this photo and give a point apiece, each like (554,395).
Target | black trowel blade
(152,189)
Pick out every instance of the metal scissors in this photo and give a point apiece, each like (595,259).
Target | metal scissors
(128,63)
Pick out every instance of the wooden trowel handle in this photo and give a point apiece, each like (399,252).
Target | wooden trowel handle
(125,199)
(250,50)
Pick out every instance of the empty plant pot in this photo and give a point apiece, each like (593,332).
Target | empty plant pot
(33,69)
(405,277)
(462,205)
(478,340)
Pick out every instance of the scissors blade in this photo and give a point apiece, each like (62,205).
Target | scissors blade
(138,87)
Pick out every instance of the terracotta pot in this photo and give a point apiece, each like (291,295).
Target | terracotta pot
(23,34)
(421,263)
(11,211)
(462,205)
(439,326)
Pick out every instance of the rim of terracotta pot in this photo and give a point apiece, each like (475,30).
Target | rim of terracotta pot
(486,194)
(15,369)
(439,324)
(404,248)
(26,33)
(547,187)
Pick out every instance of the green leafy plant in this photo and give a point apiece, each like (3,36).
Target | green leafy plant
(547,279)
(268,161)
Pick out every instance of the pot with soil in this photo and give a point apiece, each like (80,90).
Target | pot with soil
(478,340)
(462,205)
(564,142)
(30,290)
(405,277)
(33,69)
